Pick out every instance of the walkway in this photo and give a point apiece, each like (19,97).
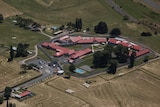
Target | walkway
(120,10)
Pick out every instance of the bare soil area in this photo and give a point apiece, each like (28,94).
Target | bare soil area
(8,10)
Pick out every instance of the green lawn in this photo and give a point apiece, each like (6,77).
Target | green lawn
(138,11)
(9,30)
(91,11)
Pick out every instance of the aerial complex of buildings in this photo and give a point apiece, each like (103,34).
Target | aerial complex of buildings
(59,45)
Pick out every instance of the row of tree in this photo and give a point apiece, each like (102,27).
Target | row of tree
(111,56)
(102,28)
(21,51)
(6,95)
(77,25)
(27,23)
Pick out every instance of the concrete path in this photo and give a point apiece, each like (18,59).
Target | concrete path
(120,10)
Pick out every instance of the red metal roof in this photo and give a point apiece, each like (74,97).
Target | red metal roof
(100,40)
(136,47)
(90,40)
(126,44)
(112,40)
(64,37)
(142,52)
(70,52)
(75,39)
(25,93)
(45,44)
(60,53)
(81,53)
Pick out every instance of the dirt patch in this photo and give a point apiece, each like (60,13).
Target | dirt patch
(6,10)
(132,26)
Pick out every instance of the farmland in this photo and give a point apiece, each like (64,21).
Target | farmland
(10,76)
(137,87)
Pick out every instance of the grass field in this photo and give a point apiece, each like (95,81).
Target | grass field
(138,10)
(55,13)
(9,30)
(7,10)
(138,87)
(9,73)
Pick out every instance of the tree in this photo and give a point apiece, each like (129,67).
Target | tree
(11,104)
(132,58)
(1,99)
(1,18)
(72,67)
(146,58)
(146,34)
(115,32)
(11,54)
(78,24)
(101,58)
(22,50)
(122,53)
(7,92)
(113,67)
(101,28)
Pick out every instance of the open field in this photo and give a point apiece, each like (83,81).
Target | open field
(138,11)
(149,6)
(9,30)
(9,73)
(137,88)
(7,10)
(56,13)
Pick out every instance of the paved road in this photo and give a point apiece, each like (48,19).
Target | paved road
(35,55)
(120,10)
(152,4)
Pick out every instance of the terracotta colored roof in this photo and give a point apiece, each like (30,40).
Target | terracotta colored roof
(136,47)
(100,40)
(70,52)
(81,53)
(112,40)
(90,40)
(60,53)
(142,52)
(64,37)
(24,93)
(45,44)
(126,44)
(75,39)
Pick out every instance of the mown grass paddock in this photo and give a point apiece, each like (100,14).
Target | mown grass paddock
(9,73)
(134,87)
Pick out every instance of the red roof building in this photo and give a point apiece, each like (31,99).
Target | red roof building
(87,40)
(75,39)
(81,53)
(142,52)
(24,94)
(58,54)
(100,40)
(45,44)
